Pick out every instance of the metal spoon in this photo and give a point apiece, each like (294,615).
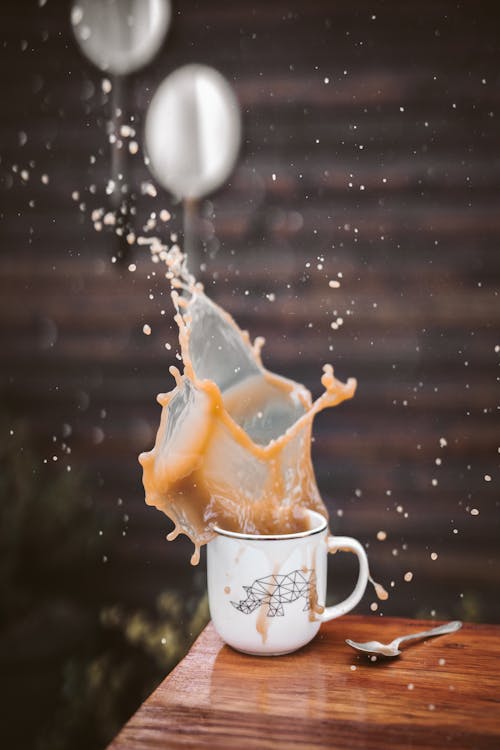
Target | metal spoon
(392,648)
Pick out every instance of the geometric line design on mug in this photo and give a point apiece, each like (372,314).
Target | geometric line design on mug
(277,590)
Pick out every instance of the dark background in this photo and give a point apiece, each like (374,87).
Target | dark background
(379,121)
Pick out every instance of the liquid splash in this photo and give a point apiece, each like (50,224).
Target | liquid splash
(233,445)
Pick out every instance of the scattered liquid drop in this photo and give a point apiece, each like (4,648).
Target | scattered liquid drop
(379,590)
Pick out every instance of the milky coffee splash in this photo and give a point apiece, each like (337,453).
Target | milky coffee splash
(233,447)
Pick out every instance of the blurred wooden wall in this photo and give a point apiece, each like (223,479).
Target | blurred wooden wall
(371,157)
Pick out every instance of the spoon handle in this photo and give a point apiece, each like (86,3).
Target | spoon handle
(450,627)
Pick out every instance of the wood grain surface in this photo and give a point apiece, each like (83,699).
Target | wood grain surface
(443,692)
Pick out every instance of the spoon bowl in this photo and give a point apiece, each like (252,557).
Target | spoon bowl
(389,650)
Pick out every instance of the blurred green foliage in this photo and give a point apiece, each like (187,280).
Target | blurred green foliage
(74,665)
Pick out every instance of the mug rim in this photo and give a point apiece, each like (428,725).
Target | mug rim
(317,529)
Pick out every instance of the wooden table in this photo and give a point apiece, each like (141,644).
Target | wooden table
(444,692)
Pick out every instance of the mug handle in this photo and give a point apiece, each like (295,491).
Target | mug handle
(348,544)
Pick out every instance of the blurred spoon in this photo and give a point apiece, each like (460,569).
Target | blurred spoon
(392,648)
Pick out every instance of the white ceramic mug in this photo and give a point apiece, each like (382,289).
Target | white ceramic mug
(267,593)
